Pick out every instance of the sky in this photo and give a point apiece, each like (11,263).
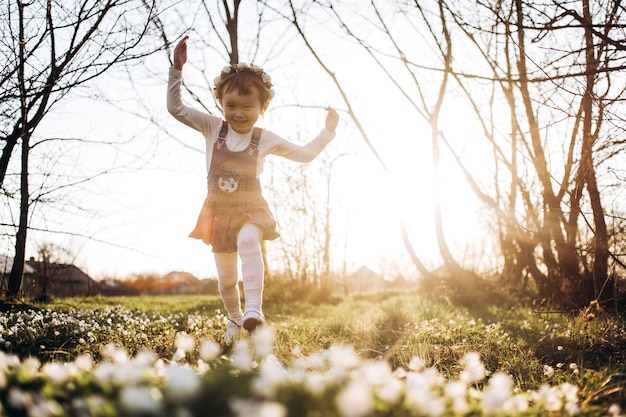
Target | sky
(136,218)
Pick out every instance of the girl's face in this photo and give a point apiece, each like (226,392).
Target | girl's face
(242,111)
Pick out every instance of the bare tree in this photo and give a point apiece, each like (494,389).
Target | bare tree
(552,66)
(51,50)
(556,70)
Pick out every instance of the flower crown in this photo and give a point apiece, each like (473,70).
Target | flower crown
(242,66)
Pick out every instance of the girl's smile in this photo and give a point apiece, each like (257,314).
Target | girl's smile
(242,111)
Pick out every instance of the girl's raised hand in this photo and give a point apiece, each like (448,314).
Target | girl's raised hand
(332,119)
(180,53)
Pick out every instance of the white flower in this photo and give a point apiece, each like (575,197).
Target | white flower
(141,400)
(226,69)
(272,374)
(249,408)
(615,410)
(115,354)
(84,362)
(497,393)
(209,350)
(19,399)
(355,400)
(182,384)
(548,370)
(30,367)
(474,369)
(343,357)
(420,394)
(263,340)
(417,364)
(515,405)
(315,383)
(267,79)
(185,342)
(56,372)
(241,357)
(271,93)
(179,355)
(217,80)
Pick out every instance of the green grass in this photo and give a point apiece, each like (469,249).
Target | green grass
(535,348)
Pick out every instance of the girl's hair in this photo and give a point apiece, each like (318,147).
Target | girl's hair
(244,77)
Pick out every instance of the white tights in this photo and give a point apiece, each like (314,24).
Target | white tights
(252,270)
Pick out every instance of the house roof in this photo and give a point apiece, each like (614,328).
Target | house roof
(6,265)
(65,272)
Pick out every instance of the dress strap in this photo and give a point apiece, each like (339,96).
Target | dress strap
(254,143)
(221,137)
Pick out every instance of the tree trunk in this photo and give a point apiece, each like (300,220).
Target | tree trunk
(15,278)
(596,286)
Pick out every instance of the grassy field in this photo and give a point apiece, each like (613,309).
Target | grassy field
(389,354)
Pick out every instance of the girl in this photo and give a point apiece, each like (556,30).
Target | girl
(235,216)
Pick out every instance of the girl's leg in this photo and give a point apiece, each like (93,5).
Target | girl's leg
(252,270)
(226,264)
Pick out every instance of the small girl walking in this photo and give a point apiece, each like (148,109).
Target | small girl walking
(235,217)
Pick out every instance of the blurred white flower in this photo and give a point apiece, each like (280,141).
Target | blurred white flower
(473,370)
(84,362)
(241,357)
(515,405)
(140,400)
(315,383)
(30,367)
(315,361)
(272,374)
(144,359)
(209,350)
(420,392)
(179,355)
(548,397)
(416,364)
(456,391)
(55,372)
(19,399)
(185,342)
(498,391)
(263,340)
(115,354)
(343,356)
(181,384)
(615,410)
(104,373)
(355,400)
(378,374)
(44,407)
(248,408)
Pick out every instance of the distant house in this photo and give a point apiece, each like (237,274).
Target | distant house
(365,280)
(60,280)
(44,279)
(6,265)
(177,282)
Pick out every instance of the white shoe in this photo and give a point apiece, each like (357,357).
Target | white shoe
(233,330)
(252,320)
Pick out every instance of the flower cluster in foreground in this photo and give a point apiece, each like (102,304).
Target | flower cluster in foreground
(251,381)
